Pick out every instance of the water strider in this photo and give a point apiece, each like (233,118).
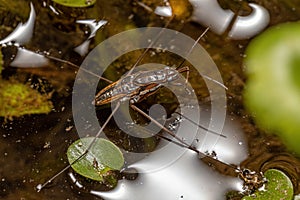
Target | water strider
(135,87)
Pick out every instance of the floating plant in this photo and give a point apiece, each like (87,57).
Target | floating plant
(101,159)
(273,88)
(278,187)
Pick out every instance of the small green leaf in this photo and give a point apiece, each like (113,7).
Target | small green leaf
(103,157)
(278,187)
(76,3)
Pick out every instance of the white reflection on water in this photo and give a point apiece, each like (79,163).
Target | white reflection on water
(165,11)
(23,32)
(28,59)
(94,26)
(209,13)
(187,177)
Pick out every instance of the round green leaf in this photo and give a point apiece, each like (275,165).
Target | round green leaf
(75,3)
(101,158)
(272,92)
(278,187)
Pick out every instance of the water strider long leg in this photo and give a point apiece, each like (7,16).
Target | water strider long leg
(164,128)
(204,128)
(231,170)
(77,67)
(41,186)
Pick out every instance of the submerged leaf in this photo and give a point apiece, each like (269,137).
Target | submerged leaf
(75,3)
(103,157)
(278,187)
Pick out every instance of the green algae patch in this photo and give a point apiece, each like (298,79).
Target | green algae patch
(17,99)
(272,92)
(278,187)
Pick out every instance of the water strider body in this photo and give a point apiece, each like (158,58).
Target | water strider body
(137,86)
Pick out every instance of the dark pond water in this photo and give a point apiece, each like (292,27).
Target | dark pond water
(33,147)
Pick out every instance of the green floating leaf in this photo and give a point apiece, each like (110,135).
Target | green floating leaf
(17,99)
(102,157)
(278,187)
(273,88)
(75,3)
